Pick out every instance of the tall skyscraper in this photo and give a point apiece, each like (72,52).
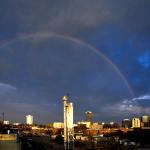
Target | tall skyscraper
(68,124)
(88,115)
(29,119)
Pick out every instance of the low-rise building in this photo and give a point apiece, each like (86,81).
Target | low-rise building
(58,125)
(96,126)
(86,123)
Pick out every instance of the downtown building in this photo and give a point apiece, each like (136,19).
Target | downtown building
(144,121)
(88,116)
(136,123)
(29,119)
(68,124)
(126,123)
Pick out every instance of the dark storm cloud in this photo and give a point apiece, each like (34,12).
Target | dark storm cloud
(64,16)
(44,70)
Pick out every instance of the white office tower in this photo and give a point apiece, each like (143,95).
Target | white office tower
(136,123)
(6,122)
(29,119)
(68,124)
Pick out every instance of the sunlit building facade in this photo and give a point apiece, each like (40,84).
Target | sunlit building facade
(68,124)
(87,124)
(96,126)
(136,123)
(6,122)
(58,125)
(29,120)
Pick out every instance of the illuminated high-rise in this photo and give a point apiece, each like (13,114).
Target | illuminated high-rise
(68,124)
(29,119)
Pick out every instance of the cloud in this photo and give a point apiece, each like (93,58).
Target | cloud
(7,89)
(129,107)
(70,16)
(7,86)
(143,97)
(122,110)
(144,59)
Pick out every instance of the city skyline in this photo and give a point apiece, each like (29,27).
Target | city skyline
(98,52)
(28,120)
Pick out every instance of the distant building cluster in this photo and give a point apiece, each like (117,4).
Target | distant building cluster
(28,121)
(136,122)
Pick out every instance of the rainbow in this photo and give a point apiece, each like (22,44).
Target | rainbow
(75,40)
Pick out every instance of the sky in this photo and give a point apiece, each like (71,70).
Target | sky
(97,51)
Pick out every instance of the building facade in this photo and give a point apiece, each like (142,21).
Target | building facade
(126,123)
(68,124)
(29,120)
(145,121)
(136,123)
(88,116)
(87,124)
(58,125)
